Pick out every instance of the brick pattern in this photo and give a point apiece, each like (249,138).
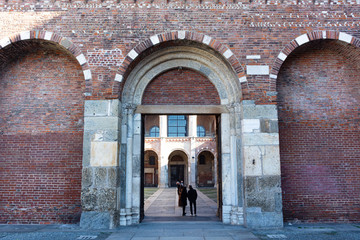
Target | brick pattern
(182,87)
(319,119)
(41,132)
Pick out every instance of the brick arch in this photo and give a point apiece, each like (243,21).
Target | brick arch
(62,41)
(179,35)
(305,38)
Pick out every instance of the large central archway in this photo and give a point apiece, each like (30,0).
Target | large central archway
(212,65)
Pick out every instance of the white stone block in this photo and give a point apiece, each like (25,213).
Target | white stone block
(302,39)
(25,35)
(48,35)
(155,39)
(228,53)
(243,79)
(257,70)
(104,154)
(118,78)
(271,160)
(273,76)
(250,125)
(81,59)
(207,40)
(282,56)
(4,42)
(181,34)
(133,54)
(87,74)
(252,161)
(345,37)
(253,57)
(324,34)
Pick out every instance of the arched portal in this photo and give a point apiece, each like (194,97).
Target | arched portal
(195,57)
(178,164)
(151,173)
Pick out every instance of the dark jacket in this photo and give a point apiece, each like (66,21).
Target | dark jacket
(192,195)
(183,196)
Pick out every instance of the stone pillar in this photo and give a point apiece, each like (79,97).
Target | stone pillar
(163,159)
(100,174)
(261,166)
(192,160)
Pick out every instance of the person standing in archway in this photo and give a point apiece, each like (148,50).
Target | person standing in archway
(192,196)
(183,198)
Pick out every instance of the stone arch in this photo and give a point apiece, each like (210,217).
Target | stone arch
(62,41)
(151,169)
(227,55)
(305,38)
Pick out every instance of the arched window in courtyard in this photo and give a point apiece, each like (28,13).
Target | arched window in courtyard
(200,131)
(154,131)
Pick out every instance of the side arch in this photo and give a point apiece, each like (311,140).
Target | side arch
(53,37)
(305,38)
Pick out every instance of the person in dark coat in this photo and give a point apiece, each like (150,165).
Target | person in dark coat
(178,192)
(183,198)
(192,196)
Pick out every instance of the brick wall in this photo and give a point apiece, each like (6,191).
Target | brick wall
(180,86)
(41,132)
(319,119)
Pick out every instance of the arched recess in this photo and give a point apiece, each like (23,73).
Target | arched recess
(206,170)
(178,162)
(303,39)
(47,36)
(151,171)
(42,106)
(318,101)
(155,57)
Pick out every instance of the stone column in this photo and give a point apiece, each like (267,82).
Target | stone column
(192,160)
(261,166)
(100,174)
(163,159)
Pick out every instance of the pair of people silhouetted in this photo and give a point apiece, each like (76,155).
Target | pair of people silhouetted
(191,195)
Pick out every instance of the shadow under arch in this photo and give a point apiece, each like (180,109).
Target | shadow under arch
(178,162)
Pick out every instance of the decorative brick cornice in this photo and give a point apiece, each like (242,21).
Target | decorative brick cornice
(62,41)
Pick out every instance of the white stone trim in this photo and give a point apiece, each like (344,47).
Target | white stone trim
(345,37)
(118,78)
(324,34)
(302,39)
(228,53)
(207,40)
(87,74)
(4,42)
(181,34)
(154,39)
(273,76)
(282,56)
(133,54)
(25,35)
(48,35)
(81,59)
(257,70)
(253,57)
(243,79)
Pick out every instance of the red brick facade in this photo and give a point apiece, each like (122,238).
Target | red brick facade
(319,132)
(85,50)
(181,86)
(41,122)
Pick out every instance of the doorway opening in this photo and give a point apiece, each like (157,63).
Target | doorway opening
(186,149)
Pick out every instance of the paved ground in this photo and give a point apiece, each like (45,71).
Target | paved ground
(166,223)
